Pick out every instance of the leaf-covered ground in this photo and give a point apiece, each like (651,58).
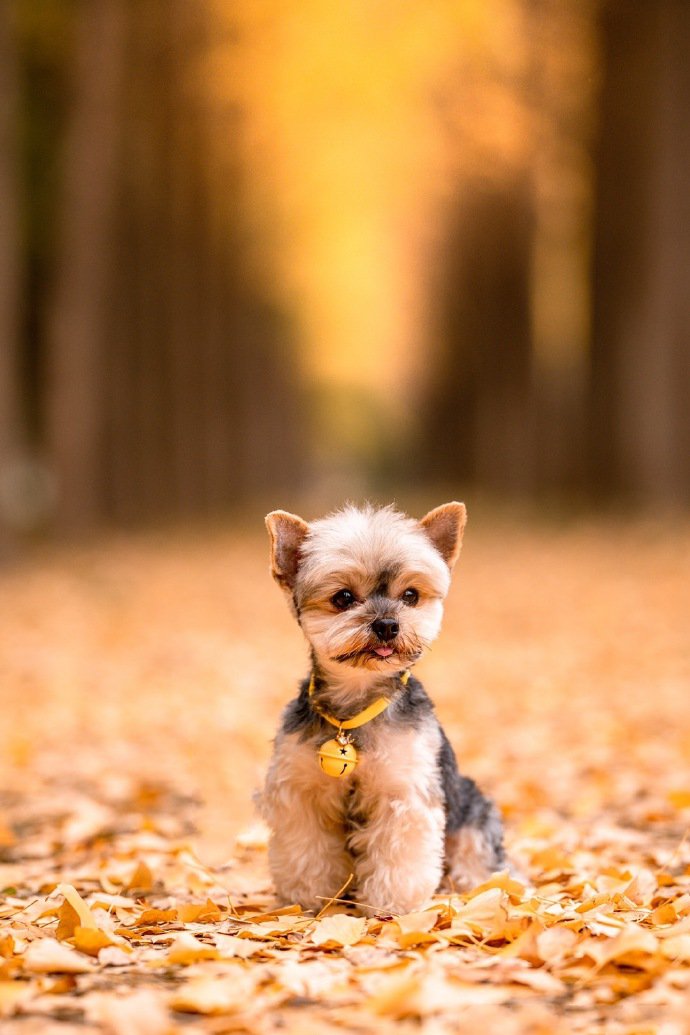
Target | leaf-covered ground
(141,680)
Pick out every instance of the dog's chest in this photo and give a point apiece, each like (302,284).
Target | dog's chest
(393,765)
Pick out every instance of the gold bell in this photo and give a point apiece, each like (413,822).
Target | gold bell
(338,757)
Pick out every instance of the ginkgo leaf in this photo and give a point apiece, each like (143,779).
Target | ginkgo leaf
(676,947)
(142,879)
(201,912)
(414,922)
(13,994)
(90,941)
(48,956)
(632,942)
(187,949)
(339,929)
(213,995)
(74,899)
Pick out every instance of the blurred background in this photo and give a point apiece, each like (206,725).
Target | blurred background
(283,251)
(261,254)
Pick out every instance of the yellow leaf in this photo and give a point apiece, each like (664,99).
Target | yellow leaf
(140,1012)
(293,910)
(7,946)
(680,799)
(395,995)
(225,993)
(414,922)
(677,947)
(72,896)
(142,879)
(277,928)
(68,921)
(632,942)
(664,914)
(483,914)
(7,835)
(556,943)
(187,949)
(12,993)
(512,887)
(47,956)
(199,912)
(89,941)
(339,929)
(155,916)
(407,939)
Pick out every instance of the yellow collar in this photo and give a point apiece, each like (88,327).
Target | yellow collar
(378,706)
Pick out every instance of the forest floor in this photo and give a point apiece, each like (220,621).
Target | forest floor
(141,679)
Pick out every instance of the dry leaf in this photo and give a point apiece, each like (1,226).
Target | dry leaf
(87,940)
(601,944)
(677,947)
(201,913)
(338,930)
(187,949)
(226,993)
(13,994)
(77,903)
(47,956)
(142,880)
(138,1012)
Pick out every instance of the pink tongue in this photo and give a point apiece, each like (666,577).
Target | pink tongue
(384,652)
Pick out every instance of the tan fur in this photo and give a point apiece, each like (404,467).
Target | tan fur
(467,859)
(305,810)
(385,824)
(445,526)
(396,856)
(399,851)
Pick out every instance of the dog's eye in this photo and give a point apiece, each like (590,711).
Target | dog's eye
(343,599)
(410,597)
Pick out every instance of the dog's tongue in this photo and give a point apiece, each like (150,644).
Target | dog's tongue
(383,652)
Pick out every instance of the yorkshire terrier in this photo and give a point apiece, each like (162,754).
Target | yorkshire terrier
(363,780)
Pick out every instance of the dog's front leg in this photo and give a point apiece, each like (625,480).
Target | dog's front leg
(399,841)
(306,851)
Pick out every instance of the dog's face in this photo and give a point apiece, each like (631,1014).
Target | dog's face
(367,585)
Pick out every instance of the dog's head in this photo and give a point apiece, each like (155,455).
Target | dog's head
(367,585)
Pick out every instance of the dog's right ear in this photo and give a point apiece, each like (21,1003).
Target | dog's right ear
(287,532)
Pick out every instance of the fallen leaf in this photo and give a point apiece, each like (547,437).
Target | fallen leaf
(187,949)
(226,993)
(78,905)
(338,930)
(14,994)
(47,956)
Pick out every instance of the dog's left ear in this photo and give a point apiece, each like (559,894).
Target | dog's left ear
(287,532)
(444,525)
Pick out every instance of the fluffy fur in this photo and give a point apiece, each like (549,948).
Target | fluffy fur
(367,587)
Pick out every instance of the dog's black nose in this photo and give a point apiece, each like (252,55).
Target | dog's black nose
(386,629)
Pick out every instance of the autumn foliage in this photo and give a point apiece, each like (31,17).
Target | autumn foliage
(142,681)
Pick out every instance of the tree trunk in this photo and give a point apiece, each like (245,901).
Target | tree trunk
(78,323)
(640,417)
(479,415)
(11,421)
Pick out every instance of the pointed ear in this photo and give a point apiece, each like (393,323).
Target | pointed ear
(444,525)
(287,532)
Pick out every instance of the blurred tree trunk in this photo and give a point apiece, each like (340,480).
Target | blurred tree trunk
(640,414)
(77,329)
(479,415)
(170,390)
(11,420)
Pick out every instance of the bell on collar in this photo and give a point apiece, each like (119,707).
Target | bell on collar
(338,757)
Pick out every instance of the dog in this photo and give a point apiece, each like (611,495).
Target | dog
(363,783)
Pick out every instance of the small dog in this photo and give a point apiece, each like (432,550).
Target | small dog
(383,799)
